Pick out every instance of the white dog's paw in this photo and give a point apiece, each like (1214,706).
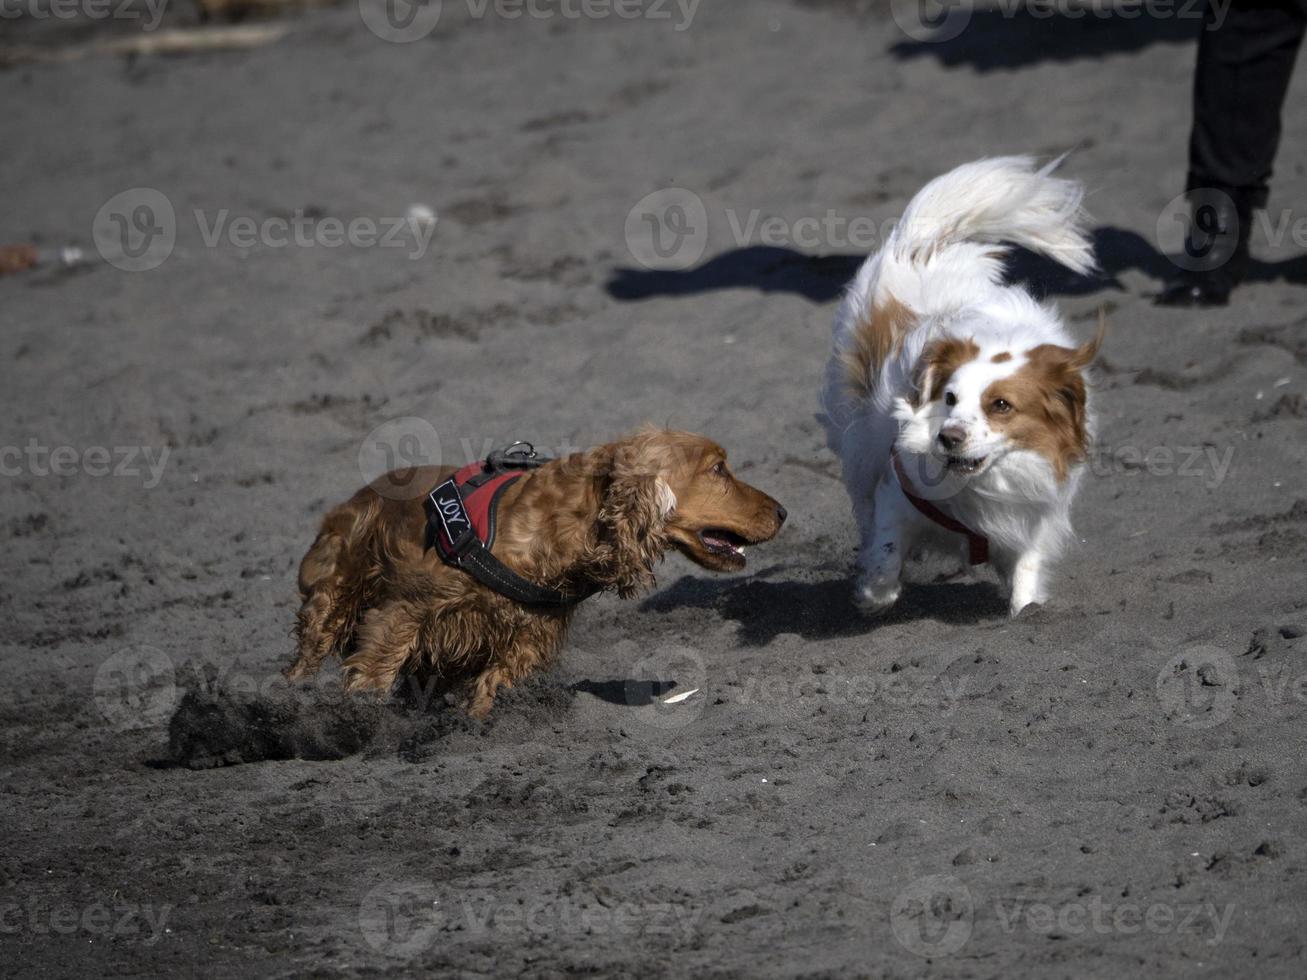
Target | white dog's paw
(1031,603)
(875,596)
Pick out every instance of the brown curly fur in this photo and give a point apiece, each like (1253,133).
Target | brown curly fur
(376,597)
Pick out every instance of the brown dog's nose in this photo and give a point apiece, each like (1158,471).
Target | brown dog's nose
(781,514)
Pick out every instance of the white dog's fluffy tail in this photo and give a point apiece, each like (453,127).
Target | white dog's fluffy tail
(1002,199)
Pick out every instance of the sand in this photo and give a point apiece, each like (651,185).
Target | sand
(1112,785)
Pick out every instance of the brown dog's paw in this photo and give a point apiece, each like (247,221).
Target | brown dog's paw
(484,690)
(359,681)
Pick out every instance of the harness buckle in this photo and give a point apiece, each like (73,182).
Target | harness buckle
(466,542)
(520,455)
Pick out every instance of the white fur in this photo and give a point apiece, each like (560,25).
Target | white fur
(943,263)
(666,498)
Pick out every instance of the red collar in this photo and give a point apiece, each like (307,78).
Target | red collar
(977,543)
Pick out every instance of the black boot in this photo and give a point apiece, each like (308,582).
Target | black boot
(1215,257)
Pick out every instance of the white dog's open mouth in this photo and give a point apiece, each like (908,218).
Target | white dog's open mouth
(966,465)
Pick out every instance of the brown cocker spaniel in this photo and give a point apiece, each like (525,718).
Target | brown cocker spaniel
(376,595)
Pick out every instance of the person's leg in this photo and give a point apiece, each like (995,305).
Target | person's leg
(1245,62)
(1246,54)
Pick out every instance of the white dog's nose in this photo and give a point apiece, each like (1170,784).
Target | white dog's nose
(952,436)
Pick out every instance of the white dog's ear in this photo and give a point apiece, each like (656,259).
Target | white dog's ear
(924,382)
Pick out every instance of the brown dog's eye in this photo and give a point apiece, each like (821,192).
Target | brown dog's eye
(719,469)
(1000,406)
(950,399)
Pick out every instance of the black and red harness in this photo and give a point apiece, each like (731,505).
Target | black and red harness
(977,544)
(461,524)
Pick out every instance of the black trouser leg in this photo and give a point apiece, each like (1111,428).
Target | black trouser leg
(1246,54)
(1245,60)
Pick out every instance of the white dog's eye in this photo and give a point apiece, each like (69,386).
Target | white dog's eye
(1000,406)
(950,399)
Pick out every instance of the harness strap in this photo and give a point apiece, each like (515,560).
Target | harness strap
(454,535)
(977,544)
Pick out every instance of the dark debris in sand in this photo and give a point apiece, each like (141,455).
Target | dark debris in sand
(214,726)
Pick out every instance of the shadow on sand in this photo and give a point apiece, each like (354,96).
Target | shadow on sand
(1018,36)
(823,610)
(822,278)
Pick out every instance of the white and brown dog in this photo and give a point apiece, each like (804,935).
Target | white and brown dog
(957,403)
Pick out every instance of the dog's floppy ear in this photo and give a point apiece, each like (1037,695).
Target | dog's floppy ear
(1072,358)
(1074,389)
(633,515)
(1062,371)
(1079,358)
